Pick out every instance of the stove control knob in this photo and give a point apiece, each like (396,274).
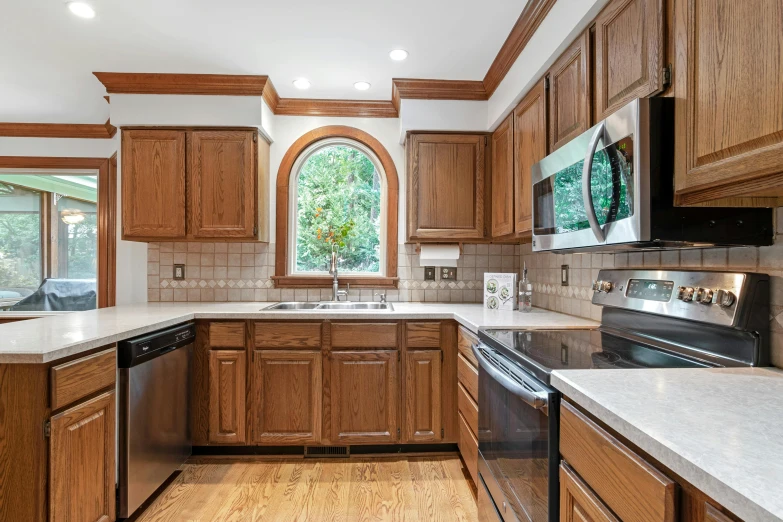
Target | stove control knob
(706,296)
(725,298)
(685,293)
(606,286)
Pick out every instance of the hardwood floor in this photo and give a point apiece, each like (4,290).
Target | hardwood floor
(410,489)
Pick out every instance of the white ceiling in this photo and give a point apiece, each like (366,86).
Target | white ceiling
(47,55)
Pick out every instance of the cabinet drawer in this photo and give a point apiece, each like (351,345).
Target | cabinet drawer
(227,335)
(468,447)
(422,335)
(287,335)
(76,379)
(468,408)
(630,486)
(364,335)
(467,375)
(465,340)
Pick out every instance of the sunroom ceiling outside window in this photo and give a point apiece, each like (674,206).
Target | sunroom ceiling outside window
(338,201)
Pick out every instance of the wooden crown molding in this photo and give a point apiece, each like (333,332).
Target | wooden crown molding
(157,83)
(270,96)
(417,89)
(343,108)
(528,22)
(58,130)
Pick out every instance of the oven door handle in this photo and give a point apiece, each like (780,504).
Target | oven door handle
(587,179)
(537,399)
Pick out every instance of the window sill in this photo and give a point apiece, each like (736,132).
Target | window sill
(326,281)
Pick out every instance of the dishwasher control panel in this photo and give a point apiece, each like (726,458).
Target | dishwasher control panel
(143,348)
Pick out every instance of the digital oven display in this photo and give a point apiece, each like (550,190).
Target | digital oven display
(650,289)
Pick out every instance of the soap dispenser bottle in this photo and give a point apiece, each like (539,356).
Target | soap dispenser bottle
(525,292)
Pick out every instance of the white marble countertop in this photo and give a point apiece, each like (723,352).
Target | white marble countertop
(50,338)
(719,429)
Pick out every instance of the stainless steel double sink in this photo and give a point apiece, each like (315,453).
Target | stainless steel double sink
(331,305)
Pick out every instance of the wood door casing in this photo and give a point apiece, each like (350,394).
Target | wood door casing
(629,46)
(227,378)
(153,184)
(569,93)
(286,400)
(423,402)
(364,396)
(81,462)
(221,184)
(503,190)
(446,186)
(578,503)
(530,135)
(729,124)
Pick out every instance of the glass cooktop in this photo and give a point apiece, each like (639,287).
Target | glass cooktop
(542,351)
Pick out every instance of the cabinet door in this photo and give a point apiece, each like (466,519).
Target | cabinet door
(446,186)
(286,397)
(529,149)
(728,69)
(364,396)
(221,184)
(81,462)
(153,184)
(628,53)
(578,503)
(503,179)
(227,396)
(569,93)
(423,422)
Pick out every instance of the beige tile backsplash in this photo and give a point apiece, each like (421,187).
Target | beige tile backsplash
(575,299)
(242,272)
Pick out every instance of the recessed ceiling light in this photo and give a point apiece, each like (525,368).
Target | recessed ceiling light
(398,54)
(302,83)
(361,86)
(81,9)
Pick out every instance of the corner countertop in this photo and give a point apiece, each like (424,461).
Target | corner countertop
(719,429)
(50,338)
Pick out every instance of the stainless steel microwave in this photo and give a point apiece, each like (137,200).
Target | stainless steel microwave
(612,188)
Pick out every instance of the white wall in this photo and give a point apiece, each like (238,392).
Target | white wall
(442,115)
(58,147)
(185,110)
(288,129)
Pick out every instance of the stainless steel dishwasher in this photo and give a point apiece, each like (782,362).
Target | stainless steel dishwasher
(154,407)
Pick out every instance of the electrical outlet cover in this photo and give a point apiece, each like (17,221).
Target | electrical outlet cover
(448,273)
(179,272)
(429,273)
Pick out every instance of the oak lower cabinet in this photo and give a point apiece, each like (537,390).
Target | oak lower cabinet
(578,503)
(286,399)
(223,172)
(364,392)
(423,417)
(446,186)
(227,388)
(81,462)
(727,79)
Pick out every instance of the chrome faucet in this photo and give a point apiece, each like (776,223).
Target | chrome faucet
(382,296)
(336,292)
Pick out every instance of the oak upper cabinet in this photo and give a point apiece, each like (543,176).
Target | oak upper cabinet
(227,378)
(286,400)
(81,462)
(629,59)
(529,148)
(153,184)
(446,186)
(221,184)
(364,396)
(727,74)
(503,179)
(578,503)
(423,421)
(569,93)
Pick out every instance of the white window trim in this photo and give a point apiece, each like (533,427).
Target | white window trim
(293,206)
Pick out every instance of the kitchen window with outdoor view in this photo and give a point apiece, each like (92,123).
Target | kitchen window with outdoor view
(338,201)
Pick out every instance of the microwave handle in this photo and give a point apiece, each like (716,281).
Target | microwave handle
(538,400)
(587,178)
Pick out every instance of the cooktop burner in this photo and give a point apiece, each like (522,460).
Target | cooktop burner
(542,351)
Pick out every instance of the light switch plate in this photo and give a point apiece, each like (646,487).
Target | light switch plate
(563,275)
(429,273)
(179,272)
(448,273)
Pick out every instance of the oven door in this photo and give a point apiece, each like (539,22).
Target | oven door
(589,192)
(518,441)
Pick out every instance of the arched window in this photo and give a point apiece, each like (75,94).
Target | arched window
(337,188)
(338,200)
